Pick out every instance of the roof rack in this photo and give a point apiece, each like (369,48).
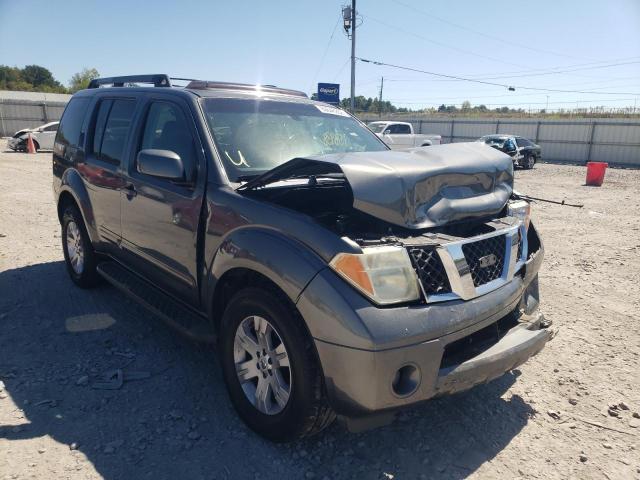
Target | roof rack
(158,80)
(203,84)
(163,80)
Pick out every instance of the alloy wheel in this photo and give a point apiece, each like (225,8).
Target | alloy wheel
(262,365)
(75,247)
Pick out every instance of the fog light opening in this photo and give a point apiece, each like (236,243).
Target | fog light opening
(405,381)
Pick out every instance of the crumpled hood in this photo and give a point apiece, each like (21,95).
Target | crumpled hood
(421,187)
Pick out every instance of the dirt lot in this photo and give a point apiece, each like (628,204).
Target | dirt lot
(571,412)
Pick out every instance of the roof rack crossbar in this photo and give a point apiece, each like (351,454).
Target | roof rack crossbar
(158,80)
(203,85)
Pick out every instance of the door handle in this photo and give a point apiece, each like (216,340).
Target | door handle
(130,191)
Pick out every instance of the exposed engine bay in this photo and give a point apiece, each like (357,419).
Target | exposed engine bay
(330,203)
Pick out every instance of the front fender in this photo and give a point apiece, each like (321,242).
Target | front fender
(282,259)
(71,182)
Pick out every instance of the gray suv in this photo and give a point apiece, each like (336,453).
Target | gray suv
(336,277)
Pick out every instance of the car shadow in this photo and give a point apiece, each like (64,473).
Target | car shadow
(171,417)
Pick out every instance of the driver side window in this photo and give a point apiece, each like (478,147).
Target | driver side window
(166,128)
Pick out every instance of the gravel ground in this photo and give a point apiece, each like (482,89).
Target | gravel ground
(570,412)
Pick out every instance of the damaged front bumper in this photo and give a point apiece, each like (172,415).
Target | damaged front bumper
(15,143)
(377,359)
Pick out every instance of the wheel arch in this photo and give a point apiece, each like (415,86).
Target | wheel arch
(73,191)
(260,257)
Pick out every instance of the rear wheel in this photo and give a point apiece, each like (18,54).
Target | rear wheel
(78,252)
(269,366)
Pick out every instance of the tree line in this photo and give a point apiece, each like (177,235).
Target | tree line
(373,105)
(35,78)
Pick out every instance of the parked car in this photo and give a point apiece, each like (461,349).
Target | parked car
(43,137)
(399,135)
(524,152)
(336,277)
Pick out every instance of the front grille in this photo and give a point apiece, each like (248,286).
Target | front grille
(492,250)
(430,270)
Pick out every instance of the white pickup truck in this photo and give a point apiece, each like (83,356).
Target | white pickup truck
(399,135)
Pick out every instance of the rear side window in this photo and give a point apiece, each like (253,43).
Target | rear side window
(111,131)
(71,122)
(402,129)
(166,128)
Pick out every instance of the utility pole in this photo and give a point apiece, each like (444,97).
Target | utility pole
(353,56)
(349,24)
(380,99)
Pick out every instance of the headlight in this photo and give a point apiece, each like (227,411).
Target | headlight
(384,274)
(520,209)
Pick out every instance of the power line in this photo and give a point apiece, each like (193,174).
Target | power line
(484,76)
(335,77)
(610,100)
(507,42)
(541,72)
(326,49)
(510,87)
(563,71)
(572,84)
(551,71)
(435,42)
(502,95)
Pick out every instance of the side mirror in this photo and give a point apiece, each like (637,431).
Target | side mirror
(160,163)
(386,132)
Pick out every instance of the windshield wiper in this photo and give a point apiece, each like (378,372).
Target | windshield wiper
(313,178)
(298,168)
(247,178)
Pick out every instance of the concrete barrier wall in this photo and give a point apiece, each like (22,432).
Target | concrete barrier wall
(612,140)
(18,114)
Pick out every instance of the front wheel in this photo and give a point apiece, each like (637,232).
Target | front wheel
(269,366)
(529,162)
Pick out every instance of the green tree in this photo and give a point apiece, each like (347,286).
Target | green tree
(30,78)
(466,106)
(41,79)
(80,80)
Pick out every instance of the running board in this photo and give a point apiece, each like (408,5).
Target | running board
(177,316)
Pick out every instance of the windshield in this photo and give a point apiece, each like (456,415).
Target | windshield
(254,136)
(494,140)
(377,127)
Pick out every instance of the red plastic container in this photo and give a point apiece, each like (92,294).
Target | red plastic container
(595,173)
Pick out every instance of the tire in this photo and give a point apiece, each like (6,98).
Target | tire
(78,251)
(305,411)
(529,162)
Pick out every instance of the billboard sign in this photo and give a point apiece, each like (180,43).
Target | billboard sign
(329,93)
